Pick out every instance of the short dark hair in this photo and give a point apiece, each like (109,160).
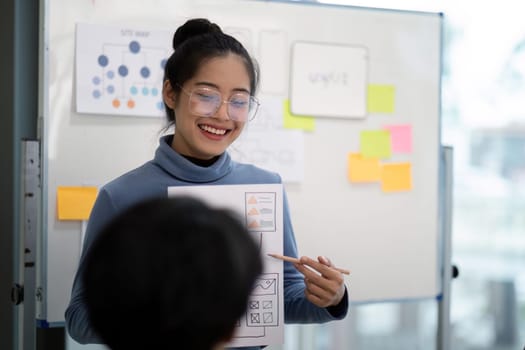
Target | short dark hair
(170,271)
(196,41)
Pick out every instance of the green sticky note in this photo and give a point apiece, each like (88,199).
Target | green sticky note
(375,144)
(380,98)
(292,121)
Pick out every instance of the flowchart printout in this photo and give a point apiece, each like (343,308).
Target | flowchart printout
(260,206)
(119,70)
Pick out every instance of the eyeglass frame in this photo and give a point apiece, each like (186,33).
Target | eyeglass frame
(252,99)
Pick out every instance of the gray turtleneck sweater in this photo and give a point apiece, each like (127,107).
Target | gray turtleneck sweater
(168,168)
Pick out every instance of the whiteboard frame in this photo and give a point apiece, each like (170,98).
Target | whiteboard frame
(61,235)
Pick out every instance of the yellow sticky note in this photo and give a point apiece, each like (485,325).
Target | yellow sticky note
(292,121)
(75,203)
(396,177)
(380,98)
(363,170)
(375,144)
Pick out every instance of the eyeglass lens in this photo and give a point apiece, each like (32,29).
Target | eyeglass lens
(206,102)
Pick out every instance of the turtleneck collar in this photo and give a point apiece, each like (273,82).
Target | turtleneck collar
(182,168)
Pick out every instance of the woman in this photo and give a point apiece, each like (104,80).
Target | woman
(209,87)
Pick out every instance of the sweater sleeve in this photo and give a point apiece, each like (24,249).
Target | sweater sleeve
(77,322)
(298,309)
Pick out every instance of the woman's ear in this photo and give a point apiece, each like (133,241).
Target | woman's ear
(168,94)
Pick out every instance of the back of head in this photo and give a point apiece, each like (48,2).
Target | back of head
(170,272)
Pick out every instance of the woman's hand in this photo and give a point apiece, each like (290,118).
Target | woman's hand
(324,285)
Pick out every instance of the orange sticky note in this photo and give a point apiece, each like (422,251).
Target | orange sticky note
(396,177)
(75,203)
(363,169)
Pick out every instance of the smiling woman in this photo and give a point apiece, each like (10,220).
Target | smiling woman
(204,126)
(209,86)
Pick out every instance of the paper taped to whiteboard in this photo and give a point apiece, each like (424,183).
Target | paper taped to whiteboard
(329,80)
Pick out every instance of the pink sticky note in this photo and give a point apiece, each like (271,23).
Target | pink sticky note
(401,137)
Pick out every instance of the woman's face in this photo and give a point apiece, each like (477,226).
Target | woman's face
(206,137)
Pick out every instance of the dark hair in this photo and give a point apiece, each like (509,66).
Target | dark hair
(170,271)
(196,41)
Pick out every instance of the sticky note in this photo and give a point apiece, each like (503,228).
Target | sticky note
(363,170)
(75,203)
(375,144)
(291,121)
(401,137)
(396,177)
(380,98)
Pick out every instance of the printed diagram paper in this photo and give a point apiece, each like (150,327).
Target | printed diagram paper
(261,208)
(119,70)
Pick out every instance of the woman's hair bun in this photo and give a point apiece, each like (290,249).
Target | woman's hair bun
(194,27)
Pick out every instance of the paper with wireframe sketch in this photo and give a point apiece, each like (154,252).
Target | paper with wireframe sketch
(260,206)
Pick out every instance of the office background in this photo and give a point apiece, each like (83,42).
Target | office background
(483,119)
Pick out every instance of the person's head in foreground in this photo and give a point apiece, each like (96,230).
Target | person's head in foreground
(170,273)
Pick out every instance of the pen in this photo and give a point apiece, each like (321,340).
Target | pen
(297,261)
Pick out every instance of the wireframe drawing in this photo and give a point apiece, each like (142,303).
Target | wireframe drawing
(260,211)
(263,308)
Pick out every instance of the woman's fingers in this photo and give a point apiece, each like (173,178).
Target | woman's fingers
(324,285)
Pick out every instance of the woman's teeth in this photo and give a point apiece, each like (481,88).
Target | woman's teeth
(213,130)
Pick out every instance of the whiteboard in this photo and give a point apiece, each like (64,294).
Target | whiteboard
(389,240)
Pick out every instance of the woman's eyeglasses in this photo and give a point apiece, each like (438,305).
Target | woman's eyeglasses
(205,102)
